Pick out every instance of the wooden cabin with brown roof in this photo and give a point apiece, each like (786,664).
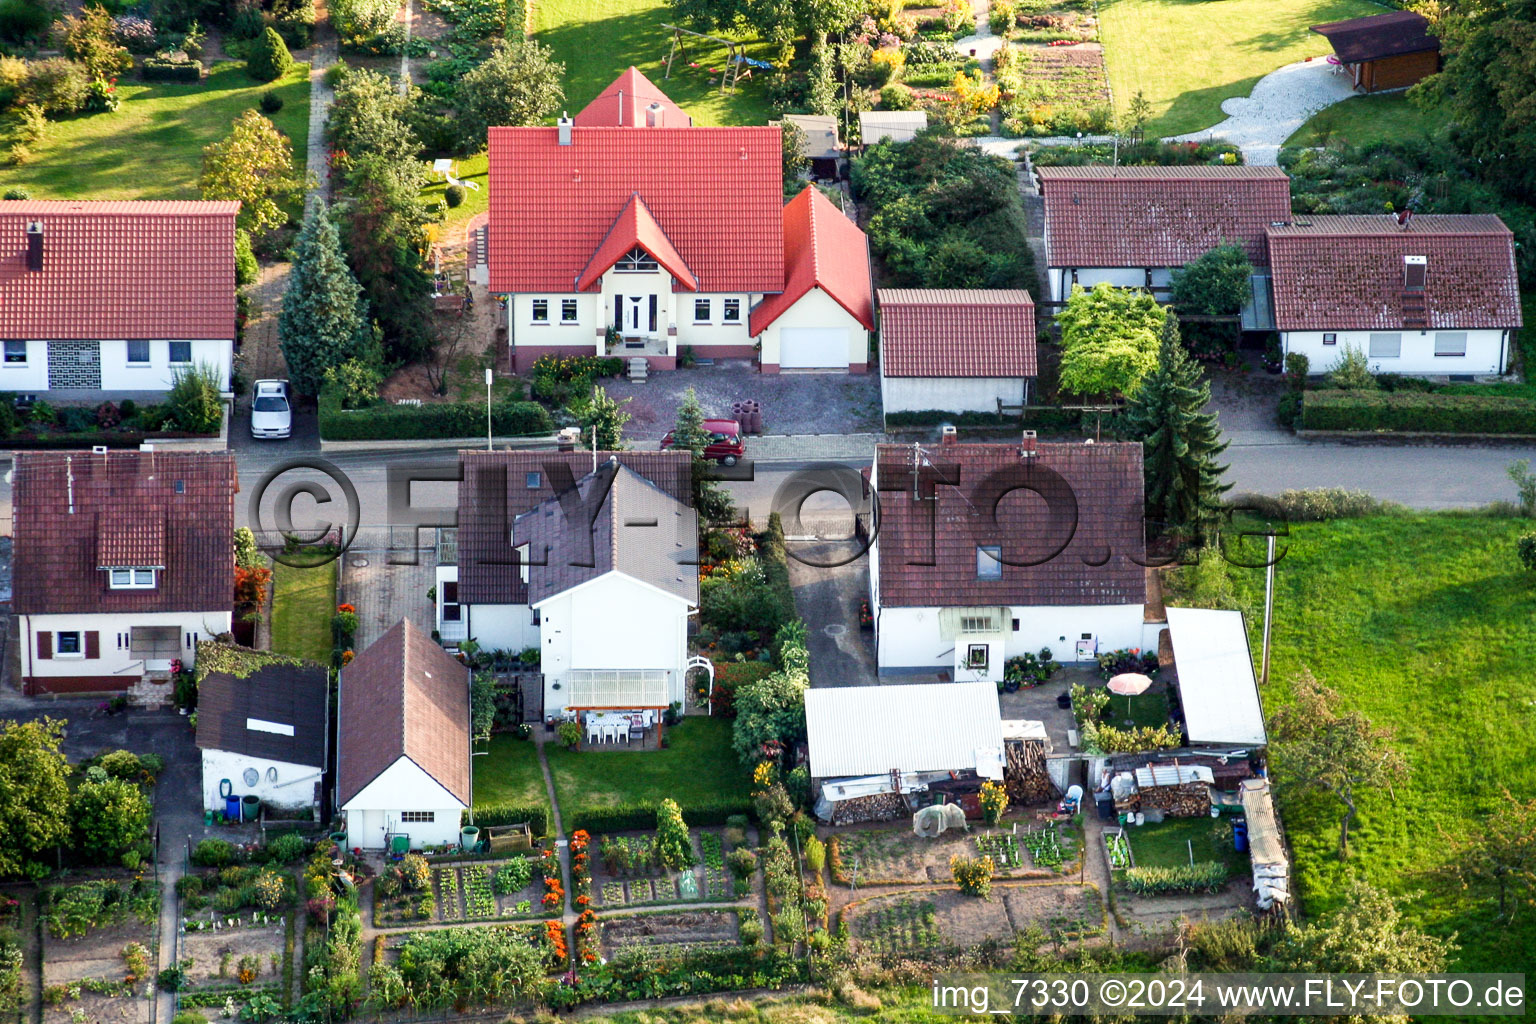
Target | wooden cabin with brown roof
(1384,51)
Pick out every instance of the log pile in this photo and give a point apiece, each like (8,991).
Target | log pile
(1190,800)
(1024,774)
(879,807)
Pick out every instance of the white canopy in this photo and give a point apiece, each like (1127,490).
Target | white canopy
(617,688)
(1216,680)
(870,730)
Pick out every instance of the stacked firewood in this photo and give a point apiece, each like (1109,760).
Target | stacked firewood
(1190,800)
(1024,774)
(879,807)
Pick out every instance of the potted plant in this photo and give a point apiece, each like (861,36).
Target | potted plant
(1273,361)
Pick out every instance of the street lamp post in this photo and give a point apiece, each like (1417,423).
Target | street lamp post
(489,376)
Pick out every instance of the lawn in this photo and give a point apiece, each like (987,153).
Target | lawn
(1426,624)
(152,147)
(598,39)
(1186,56)
(303,601)
(1148,709)
(1362,120)
(698,766)
(476,169)
(509,774)
(1167,845)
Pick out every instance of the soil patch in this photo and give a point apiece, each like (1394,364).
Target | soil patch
(695,929)
(896,856)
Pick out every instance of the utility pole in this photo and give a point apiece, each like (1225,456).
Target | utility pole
(1269,608)
(489,376)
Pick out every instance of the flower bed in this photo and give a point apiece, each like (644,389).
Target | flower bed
(1054,90)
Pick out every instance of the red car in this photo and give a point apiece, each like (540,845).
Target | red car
(724,446)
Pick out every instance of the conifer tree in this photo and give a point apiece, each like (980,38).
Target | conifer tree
(324,321)
(1180,441)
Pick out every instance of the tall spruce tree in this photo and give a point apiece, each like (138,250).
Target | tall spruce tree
(324,320)
(1180,442)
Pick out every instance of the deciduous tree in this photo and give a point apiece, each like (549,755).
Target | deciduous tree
(253,164)
(352,18)
(795,160)
(1499,854)
(91,39)
(598,411)
(324,320)
(770,716)
(34,796)
(1319,745)
(368,118)
(518,84)
(383,227)
(1216,283)
(111,817)
(1109,339)
(1367,934)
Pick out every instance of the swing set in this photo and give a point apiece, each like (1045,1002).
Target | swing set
(737,63)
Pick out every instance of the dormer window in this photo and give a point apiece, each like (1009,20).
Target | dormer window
(637,260)
(1414,269)
(131,579)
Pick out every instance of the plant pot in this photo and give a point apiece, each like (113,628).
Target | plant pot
(250,807)
(469,837)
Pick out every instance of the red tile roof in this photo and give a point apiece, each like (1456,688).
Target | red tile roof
(635,226)
(1378,35)
(956,333)
(119,270)
(1346,273)
(404,697)
(59,553)
(716,193)
(927,547)
(1158,216)
(822,249)
(623,105)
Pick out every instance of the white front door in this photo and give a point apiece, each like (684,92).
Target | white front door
(634,315)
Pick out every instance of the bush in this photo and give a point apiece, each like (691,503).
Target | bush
(271,102)
(286,848)
(415,872)
(122,764)
(1422,412)
(59,85)
(111,818)
(973,874)
(742,862)
(1525,547)
(1151,881)
(1351,371)
(269,58)
(453,195)
(335,73)
(159,69)
(76,420)
(1316,505)
(189,885)
(491,815)
(213,853)
(897,97)
(1288,412)
(439,420)
(1297,366)
(24,20)
(267,890)
(557,378)
(17,193)
(193,401)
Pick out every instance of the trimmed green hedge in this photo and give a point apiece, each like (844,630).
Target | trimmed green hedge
(642,817)
(424,422)
(1418,411)
(537,817)
(155,70)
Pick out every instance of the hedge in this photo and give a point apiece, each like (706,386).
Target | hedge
(436,420)
(156,70)
(935,417)
(642,817)
(1417,411)
(92,438)
(489,815)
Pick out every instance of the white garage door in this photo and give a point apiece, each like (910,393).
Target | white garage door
(813,348)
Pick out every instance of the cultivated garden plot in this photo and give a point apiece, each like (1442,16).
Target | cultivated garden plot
(698,929)
(546,936)
(98,950)
(897,857)
(478,891)
(910,922)
(628,873)
(17,981)
(242,962)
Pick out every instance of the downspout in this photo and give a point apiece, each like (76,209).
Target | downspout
(336,782)
(28,674)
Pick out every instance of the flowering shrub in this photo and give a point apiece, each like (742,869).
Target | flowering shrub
(267,890)
(136,33)
(415,872)
(1132,659)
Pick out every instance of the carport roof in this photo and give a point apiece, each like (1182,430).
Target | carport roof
(1216,682)
(873,730)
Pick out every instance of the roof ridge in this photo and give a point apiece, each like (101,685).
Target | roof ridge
(811,236)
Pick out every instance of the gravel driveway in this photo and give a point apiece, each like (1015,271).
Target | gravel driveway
(1280,103)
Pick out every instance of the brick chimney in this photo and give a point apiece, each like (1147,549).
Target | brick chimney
(948,434)
(35,245)
(1027,445)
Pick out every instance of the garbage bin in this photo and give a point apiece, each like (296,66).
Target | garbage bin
(231,807)
(469,837)
(250,807)
(1240,835)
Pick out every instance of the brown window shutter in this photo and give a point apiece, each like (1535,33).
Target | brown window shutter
(92,644)
(44,645)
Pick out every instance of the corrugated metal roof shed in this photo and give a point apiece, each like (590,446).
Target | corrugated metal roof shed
(869,730)
(1216,681)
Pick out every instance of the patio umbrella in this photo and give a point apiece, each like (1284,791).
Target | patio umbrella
(1128,685)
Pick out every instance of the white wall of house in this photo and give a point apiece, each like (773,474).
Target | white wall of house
(613,622)
(113,639)
(294,786)
(501,627)
(595,312)
(1120,277)
(910,637)
(522,329)
(117,374)
(716,330)
(450,631)
(817,309)
(402,787)
(1484,351)
(949,394)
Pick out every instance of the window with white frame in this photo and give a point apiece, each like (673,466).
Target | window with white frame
(68,645)
(568,311)
(138,353)
(541,311)
(989,562)
(977,624)
(181,352)
(1386,346)
(15,353)
(976,657)
(701,311)
(1330,339)
(418,817)
(131,579)
(1450,343)
(637,260)
(731,311)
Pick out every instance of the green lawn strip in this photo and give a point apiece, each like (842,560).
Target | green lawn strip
(509,774)
(1425,623)
(472,168)
(1149,709)
(598,39)
(152,147)
(698,766)
(1167,844)
(303,601)
(1362,120)
(1187,56)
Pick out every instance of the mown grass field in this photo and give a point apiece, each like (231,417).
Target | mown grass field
(698,766)
(509,773)
(303,601)
(1427,623)
(1362,120)
(598,39)
(152,146)
(1186,56)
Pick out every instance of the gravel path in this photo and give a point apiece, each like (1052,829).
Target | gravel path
(1280,103)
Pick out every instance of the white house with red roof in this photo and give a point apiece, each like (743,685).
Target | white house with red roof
(955,350)
(114,297)
(1420,294)
(627,231)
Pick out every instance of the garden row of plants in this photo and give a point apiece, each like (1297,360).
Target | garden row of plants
(191,409)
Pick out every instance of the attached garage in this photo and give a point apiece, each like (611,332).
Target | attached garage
(813,348)
(952,351)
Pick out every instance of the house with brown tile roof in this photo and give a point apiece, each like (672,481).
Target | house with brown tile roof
(983,552)
(1133,226)
(403,741)
(122,562)
(637,236)
(1417,293)
(114,296)
(955,350)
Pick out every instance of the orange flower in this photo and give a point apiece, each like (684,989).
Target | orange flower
(346,608)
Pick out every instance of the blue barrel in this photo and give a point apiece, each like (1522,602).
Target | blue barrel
(1240,835)
(231,808)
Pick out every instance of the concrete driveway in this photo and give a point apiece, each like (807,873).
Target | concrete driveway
(827,598)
